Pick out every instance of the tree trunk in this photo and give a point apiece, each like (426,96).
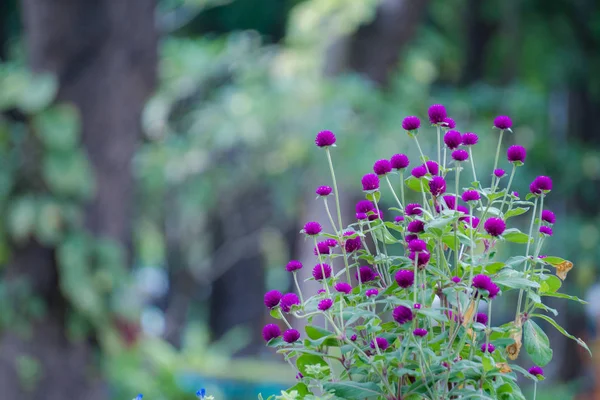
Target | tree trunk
(104,55)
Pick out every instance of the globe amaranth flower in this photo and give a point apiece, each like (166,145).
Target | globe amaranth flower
(325,304)
(361,216)
(371,292)
(271,331)
(416,226)
(548,216)
(456,279)
(452,139)
(470,195)
(460,155)
(272,298)
(516,194)
(370,182)
(499,173)
(364,206)
(352,244)
(331,242)
(382,343)
(417,245)
(293,265)
(366,274)
(353,337)
(449,123)
(546,230)
(432,167)
(398,218)
(482,318)
(502,122)
(413,209)
(462,209)
(490,348)
(516,153)
(382,167)
(535,371)
(319,269)
(323,190)
(420,332)
(411,123)
(437,113)
(288,300)
(322,248)
(417,306)
(484,282)
(419,172)
(541,184)
(471,221)
(399,161)
(437,186)
(494,226)
(470,139)
(422,257)
(410,238)
(449,200)
(405,278)
(325,139)
(291,336)
(402,314)
(312,228)
(321,291)
(343,287)
(377,214)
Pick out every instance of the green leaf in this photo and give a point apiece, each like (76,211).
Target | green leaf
(515,211)
(309,359)
(21,217)
(537,344)
(48,227)
(488,363)
(301,388)
(275,313)
(354,390)
(563,331)
(515,236)
(68,173)
(314,332)
(415,184)
(564,296)
(514,279)
(58,127)
(374,196)
(552,260)
(39,94)
(550,285)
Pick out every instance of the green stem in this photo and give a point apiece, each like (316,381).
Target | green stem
(527,256)
(402,186)
(298,287)
(393,192)
(489,325)
(456,223)
(330,217)
(322,268)
(421,152)
(472,246)
(472,163)
(416,278)
(512,174)
(335,188)
(497,153)
(439,146)
(534,389)
(284,320)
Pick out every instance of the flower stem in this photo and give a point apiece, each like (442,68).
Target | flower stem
(421,153)
(329,215)
(526,256)
(497,154)
(472,163)
(298,287)
(402,186)
(335,188)
(322,268)
(512,174)
(284,319)
(416,274)
(439,146)
(534,389)
(489,325)
(456,223)
(393,192)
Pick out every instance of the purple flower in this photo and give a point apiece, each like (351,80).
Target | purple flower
(323,190)
(449,123)
(420,332)
(312,228)
(450,201)
(293,265)
(417,306)
(494,226)
(437,113)
(382,343)
(516,194)
(411,123)
(470,139)
(364,206)
(299,375)
(490,348)
(370,182)
(499,173)
(484,282)
(482,318)
(541,184)
(437,185)
(493,291)
(322,248)
(325,139)
(416,226)
(272,298)
(270,331)
(318,270)
(371,292)
(472,221)
(366,274)
(353,337)
(460,155)
(398,218)
(456,279)
(331,242)
(405,278)
(291,336)
(361,216)
(375,215)
(502,122)
(417,245)
(548,216)
(546,230)
(452,139)
(343,287)
(352,244)
(462,209)
(419,171)
(288,300)
(399,161)
(432,167)
(470,195)
(410,238)
(402,314)
(423,257)
(535,371)
(382,167)
(516,153)
(325,304)
(321,291)
(413,209)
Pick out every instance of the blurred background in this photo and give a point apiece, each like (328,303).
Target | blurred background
(157,162)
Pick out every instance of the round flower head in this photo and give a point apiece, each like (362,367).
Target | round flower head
(516,153)
(541,184)
(288,300)
(398,218)
(452,139)
(318,270)
(449,123)
(437,113)
(470,139)
(402,314)
(325,139)
(353,337)
(484,282)
(494,226)
(291,336)
(516,194)
(361,216)
(322,248)
(352,244)
(419,172)
(312,228)
(470,195)
(366,274)
(405,278)
(272,298)
(450,201)
(321,291)
(417,306)
(399,161)
(416,226)
(546,230)
(343,287)
(420,332)
(375,215)
(490,348)
(432,167)
(493,291)
(411,123)
(423,257)
(382,167)
(293,265)
(437,186)
(371,292)
(382,343)
(499,173)
(455,279)
(462,209)
(502,122)
(325,304)
(271,331)
(535,371)
(331,242)
(417,245)
(413,209)
(548,216)
(364,206)
(472,221)
(323,190)
(482,318)
(370,182)
(410,238)
(460,155)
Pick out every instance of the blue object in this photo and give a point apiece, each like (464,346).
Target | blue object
(139,397)
(201,393)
